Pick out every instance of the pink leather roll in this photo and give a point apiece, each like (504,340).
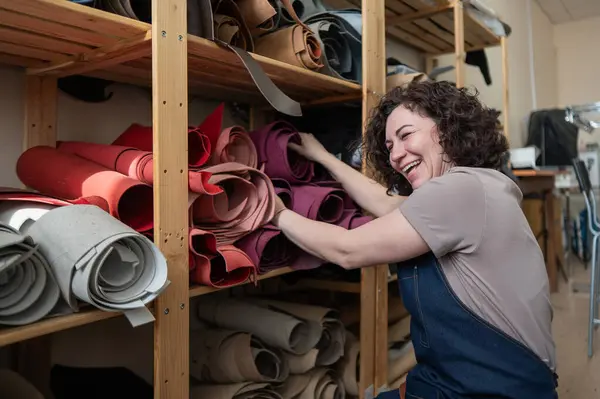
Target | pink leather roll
(246,203)
(68,176)
(234,145)
(279,161)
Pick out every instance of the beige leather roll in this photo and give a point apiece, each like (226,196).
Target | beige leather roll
(294,45)
(320,383)
(401,361)
(226,356)
(14,386)
(240,390)
(333,338)
(399,331)
(348,365)
(292,334)
(256,13)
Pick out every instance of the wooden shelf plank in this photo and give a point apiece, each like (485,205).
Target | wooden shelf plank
(29,38)
(428,28)
(203,290)
(11,335)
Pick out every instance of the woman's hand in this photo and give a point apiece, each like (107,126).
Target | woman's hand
(310,148)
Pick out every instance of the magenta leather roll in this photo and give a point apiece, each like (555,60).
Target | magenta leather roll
(325,204)
(352,218)
(279,161)
(269,248)
(283,189)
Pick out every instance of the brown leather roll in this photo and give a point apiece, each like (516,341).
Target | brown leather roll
(258,14)
(230,26)
(294,45)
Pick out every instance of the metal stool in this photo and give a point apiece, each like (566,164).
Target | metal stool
(585,186)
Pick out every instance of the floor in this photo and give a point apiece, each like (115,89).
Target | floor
(579,376)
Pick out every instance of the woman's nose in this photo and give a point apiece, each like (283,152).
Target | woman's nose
(398,152)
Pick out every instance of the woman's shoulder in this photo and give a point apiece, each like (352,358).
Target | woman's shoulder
(490,180)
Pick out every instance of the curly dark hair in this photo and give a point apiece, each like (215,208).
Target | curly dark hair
(469,132)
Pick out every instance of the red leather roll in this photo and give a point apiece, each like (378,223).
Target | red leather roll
(68,176)
(140,137)
(132,162)
(214,266)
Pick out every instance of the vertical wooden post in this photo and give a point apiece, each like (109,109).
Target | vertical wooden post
(459,43)
(170,125)
(34,356)
(373,314)
(505,86)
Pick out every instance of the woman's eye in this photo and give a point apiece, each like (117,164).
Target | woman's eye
(405,135)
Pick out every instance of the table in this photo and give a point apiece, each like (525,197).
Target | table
(541,182)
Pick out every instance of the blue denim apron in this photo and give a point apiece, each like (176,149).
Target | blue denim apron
(459,354)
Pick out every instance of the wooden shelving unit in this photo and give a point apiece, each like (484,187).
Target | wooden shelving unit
(164,57)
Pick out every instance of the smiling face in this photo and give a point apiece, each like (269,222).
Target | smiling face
(413,144)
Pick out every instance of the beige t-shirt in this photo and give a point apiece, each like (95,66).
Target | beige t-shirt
(472,221)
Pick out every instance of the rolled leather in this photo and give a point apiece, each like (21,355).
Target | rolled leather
(292,334)
(234,145)
(28,289)
(132,162)
(201,23)
(101,261)
(333,338)
(278,160)
(217,266)
(230,26)
(269,248)
(140,137)
(258,14)
(318,383)
(247,202)
(68,176)
(240,390)
(325,204)
(227,356)
(294,45)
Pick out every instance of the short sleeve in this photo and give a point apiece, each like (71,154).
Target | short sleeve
(448,212)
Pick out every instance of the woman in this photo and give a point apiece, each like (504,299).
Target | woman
(470,271)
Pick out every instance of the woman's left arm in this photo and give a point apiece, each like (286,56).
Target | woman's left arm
(388,239)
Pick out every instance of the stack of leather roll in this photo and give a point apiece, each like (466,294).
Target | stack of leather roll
(55,254)
(233,179)
(235,352)
(305,188)
(303,33)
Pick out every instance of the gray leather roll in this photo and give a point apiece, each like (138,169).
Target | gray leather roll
(240,390)
(340,35)
(28,291)
(99,260)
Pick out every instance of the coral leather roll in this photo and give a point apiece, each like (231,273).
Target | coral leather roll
(132,162)
(70,177)
(278,160)
(140,137)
